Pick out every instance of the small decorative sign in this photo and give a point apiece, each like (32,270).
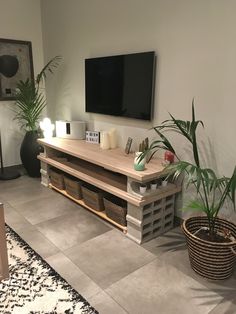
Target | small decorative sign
(93,137)
(128,145)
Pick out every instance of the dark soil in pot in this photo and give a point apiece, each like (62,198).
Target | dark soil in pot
(204,235)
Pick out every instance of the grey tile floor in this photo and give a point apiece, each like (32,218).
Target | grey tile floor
(113,273)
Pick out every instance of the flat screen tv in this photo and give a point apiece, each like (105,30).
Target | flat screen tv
(121,85)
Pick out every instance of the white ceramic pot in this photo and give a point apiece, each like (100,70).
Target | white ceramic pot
(142,189)
(153,186)
(139,165)
(164,183)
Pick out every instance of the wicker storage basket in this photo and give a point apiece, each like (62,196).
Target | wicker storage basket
(57,179)
(212,260)
(116,210)
(73,187)
(93,197)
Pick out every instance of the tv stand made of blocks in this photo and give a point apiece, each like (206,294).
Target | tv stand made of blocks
(148,215)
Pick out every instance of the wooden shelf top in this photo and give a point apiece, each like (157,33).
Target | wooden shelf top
(115,159)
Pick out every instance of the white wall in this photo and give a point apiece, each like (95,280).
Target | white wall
(196,49)
(18,20)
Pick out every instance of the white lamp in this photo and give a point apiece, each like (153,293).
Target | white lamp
(47,127)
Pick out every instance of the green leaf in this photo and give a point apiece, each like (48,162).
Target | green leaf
(196,206)
(53,63)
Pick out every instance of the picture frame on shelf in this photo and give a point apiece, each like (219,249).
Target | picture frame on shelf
(16,64)
(128,145)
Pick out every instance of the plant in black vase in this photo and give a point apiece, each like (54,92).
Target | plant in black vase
(30,102)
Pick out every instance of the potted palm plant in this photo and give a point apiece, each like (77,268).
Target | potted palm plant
(211,240)
(30,102)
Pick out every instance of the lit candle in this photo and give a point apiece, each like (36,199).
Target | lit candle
(105,143)
(113,138)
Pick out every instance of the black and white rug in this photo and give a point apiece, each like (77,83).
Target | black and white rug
(34,287)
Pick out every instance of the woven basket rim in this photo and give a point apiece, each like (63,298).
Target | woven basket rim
(224,244)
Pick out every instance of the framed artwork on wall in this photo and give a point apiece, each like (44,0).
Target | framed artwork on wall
(16,64)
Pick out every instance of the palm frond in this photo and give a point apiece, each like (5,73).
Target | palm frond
(30,101)
(49,67)
(196,206)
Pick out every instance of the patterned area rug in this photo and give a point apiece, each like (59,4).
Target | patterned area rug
(34,287)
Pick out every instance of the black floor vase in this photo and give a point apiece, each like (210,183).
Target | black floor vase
(28,152)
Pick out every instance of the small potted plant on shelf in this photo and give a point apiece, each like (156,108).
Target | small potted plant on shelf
(30,102)
(139,164)
(211,240)
(143,188)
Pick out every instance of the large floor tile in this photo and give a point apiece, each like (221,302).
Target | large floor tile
(46,208)
(38,242)
(173,240)
(227,306)
(15,220)
(109,257)
(160,288)
(69,230)
(23,193)
(19,182)
(73,275)
(104,304)
(171,248)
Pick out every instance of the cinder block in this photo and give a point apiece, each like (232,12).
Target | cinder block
(134,232)
(134,211)
(148,222)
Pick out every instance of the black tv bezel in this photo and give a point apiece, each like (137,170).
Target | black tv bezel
(152,87)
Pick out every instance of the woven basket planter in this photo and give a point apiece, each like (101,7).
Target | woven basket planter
(211,260)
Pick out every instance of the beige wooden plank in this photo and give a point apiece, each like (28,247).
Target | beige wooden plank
(114,159)
(82,203)
(108,187)
(4,272)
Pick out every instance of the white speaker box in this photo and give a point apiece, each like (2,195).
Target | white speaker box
(74,130)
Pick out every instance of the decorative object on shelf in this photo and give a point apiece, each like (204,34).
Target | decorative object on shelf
(30,102)
(143,188)
(16,64)
(164,183)
(128,145)
(153,185)
(47,127)
(139,165)
(113,138)
(212,193)
(93,137)
(74,130)
(144,145)
(169,157)
(105,140)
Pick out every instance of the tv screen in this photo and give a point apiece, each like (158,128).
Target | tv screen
(121,85)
